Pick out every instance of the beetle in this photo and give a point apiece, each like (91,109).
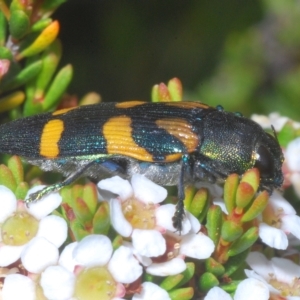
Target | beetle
(171,143)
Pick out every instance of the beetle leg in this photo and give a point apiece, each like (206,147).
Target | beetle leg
(57,186)
(179,211)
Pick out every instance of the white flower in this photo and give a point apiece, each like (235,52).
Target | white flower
(279,275)
(30,233)
(274,119)
(292,163)
(91,267)
(136,213)
(278,219)
(251,288)
(17,286)
(217,293)
(151,291)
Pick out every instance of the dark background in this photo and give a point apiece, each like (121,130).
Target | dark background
(241,54)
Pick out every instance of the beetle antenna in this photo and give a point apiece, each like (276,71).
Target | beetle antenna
(274,132)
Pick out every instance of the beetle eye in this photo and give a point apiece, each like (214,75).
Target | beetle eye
(264,162)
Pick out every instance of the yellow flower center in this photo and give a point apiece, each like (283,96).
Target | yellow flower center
(291,289)
(140,215)
(19,229)
(95,283)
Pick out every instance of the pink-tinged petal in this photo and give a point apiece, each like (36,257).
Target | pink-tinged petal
(195,224)
(17,286)
(164,215)
(171,267)
(151,291)
(291,224)
(273,237)
(87,252)
(217,293)
(66,259)
(118,221)
(39,254)
(124,267)
(57,283)
(262,120)
(116,185)
(250,289)
(260,264)
(198,246)
(9,254)
(8,203)
(280,205)
(285,270)
(147,191)
(54,229)
(46,205)
(149,243)
(292,155)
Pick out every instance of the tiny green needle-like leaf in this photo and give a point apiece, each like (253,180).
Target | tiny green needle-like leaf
(230,188)
(244,242)
(11,101)
(45,38)
(175,89)
(101,219)
(244,194)
(252,177)
(214,223)
(234,262)
(58,87)
(214,267)
(231,231)
(24,76)
(199,202)
(182,294)
(18,24)
(6,178)
(16,167)
(170,282)
(208,281)
(50,59)
(257,207)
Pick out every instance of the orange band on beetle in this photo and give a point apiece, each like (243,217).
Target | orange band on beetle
(117,132)
(129,104)
(50,137)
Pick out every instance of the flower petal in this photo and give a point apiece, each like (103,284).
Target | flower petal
(250,289)
(285,270)
(54,229)
(8,203)
(9,254)
(38,254)
(292,155)
(66,259)
(118,221)
(197,246)
(147,191)
(273,237)
(46,205)
(195,224)
(280,205)
(87,252)
(217,293)
(116,185)
(291,224)
(164,215)
(260,264)
(57,283)
(151,291)
(171,267)
(148,242)
(123,266)
(17,286)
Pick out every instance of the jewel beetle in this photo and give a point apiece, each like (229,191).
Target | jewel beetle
(171,143)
